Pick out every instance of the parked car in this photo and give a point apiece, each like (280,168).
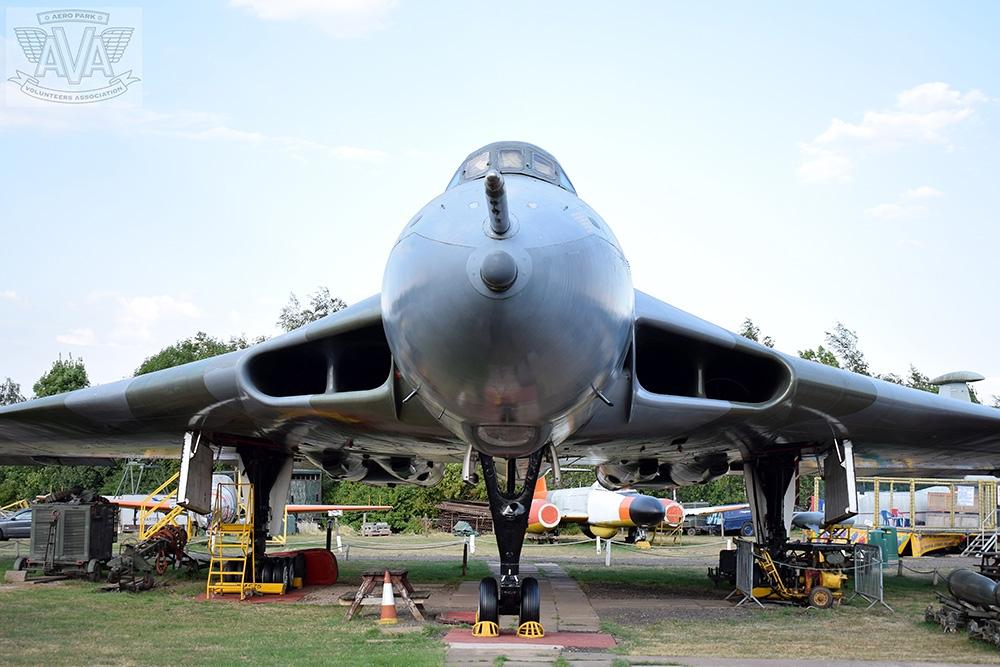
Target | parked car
(700,524)
(734,522)
(16,525)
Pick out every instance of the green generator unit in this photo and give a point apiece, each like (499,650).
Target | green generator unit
(71,538)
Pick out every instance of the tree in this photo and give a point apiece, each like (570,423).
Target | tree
(18,482)
(917,380)
(321,304)
(197,347)
(412,506)
(750,330)
(996,401)
(726,490)
(843,343)
(10,392)
(65,375)
(820,355)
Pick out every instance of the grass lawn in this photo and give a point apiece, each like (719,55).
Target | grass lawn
(73,623)
(845,632)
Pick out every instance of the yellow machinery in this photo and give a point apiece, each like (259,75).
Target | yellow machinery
(927,519)
(816,584)
(152,506)
(233,568)
(13,507)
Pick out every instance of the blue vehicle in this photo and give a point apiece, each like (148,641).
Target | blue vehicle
(734,522)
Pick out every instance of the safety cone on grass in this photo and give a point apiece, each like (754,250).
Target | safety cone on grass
(388,615)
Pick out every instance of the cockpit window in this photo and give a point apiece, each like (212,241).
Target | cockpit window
(543,166)
(512,157)
(477,165)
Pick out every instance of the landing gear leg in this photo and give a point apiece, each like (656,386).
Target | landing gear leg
(262,471)
(771,492)
(509,508)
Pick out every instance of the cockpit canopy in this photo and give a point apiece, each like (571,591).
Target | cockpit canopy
(512,157)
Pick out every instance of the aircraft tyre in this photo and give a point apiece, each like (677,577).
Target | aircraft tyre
(821,597)
(531,601)
(489,601)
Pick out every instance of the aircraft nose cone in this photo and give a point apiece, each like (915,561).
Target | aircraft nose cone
(645,511)
(498,271)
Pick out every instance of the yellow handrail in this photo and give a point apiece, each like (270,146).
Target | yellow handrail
(16,505)
(149,507)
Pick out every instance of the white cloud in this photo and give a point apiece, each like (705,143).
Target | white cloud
(923,192)
(339,18)
(8,295)
(904,207)
(137,315)
(84,337)
(935,96)
(895,211)
(924,114)
(824,166)
(193,126)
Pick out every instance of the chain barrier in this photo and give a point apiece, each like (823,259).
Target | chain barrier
(557,544)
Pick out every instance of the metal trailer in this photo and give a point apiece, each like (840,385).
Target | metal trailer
(71,538)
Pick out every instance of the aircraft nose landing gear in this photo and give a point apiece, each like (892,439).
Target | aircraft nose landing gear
(513,595)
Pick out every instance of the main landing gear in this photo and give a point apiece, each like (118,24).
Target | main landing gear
(512,595)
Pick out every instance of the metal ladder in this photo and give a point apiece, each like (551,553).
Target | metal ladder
(982,543)
(231,545)
(152,506)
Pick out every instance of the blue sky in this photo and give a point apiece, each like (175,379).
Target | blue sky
(793,162)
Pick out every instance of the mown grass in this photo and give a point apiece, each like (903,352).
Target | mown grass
(74,623)
(845,632)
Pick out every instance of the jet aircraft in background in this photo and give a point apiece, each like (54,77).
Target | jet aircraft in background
(508,331)
(603,513)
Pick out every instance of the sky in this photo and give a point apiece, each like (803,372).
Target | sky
(797,163)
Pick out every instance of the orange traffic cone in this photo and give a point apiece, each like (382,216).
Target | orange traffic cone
(388,615)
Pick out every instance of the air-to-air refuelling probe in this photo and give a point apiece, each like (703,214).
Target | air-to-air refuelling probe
(508,331)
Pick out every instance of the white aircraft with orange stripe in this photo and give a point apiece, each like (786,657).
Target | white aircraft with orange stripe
(600,511)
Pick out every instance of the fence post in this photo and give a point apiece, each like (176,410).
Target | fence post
(465,558)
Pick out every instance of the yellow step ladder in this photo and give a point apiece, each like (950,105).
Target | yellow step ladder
(231,544)
(230,539)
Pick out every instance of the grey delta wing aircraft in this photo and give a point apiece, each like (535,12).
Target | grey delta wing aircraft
(508,330)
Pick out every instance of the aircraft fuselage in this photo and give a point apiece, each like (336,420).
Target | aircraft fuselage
(508,337)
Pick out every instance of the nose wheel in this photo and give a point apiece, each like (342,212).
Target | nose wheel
(511,595)
(488,613)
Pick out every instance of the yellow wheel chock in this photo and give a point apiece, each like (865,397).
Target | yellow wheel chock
(530,629)
(485,629)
